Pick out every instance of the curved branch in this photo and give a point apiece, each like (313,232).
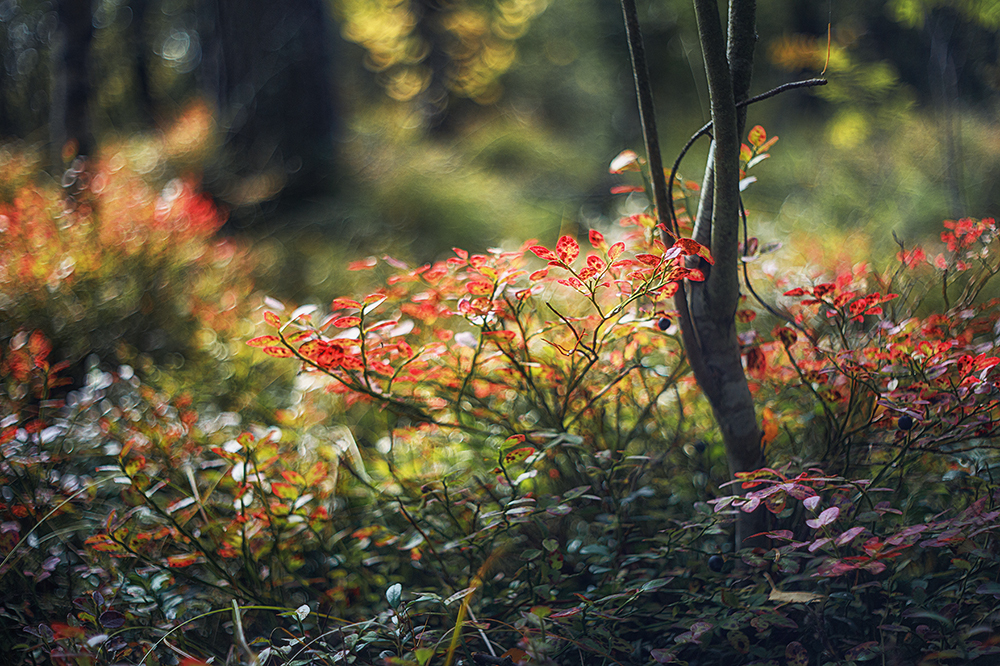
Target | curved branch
(707,128)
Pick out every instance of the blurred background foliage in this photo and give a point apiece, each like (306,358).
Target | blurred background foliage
(331,129)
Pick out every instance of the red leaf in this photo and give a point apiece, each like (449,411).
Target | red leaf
(568,249)
(544,253)
(344,304)
(272,319)
(179,561)
(264,341)
(284,490)
(513,440)
(298,336)
(627,160)
(292,476)
(757,136)
(623,189)
(479,288)
(346,322)
(362,264)
(596,263)
(825,518)
(693,247)
(517,455)
(597,239)
(615,250)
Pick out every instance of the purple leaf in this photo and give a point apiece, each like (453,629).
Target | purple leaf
(825,518)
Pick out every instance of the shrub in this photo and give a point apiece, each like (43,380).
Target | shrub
(529,479)
(108,266)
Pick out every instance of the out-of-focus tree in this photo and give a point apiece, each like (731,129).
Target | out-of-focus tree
(266,66)
(437,53)
(70,129)
(910,103)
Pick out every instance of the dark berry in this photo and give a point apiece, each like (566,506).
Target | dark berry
(700,446)
(715,563)
(663,323)
(905,422)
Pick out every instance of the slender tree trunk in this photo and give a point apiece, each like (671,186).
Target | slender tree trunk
(708,309)
(712,304)
(435,100)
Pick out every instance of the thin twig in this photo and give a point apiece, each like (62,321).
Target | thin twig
(707,128)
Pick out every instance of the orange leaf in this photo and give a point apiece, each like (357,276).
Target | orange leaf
(769,427)
(272,319)
(264,341)
(278,352)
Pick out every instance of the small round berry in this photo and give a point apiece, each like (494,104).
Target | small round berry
(715,563)
(700,446)
(905,422)
(663,323)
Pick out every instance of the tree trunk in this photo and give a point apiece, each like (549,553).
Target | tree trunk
(69,119)
(711,337)
(267,66)
(708,309)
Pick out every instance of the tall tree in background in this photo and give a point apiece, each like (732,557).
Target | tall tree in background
(434,53)
(69,113)
(267,67)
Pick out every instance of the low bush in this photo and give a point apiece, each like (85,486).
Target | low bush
(113,269)
(502,457)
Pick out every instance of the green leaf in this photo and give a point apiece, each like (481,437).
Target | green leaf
(394,594)
(518,455)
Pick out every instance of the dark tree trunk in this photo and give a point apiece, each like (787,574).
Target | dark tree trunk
(267,67)
(69,114)
(435,100)
(140,64)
